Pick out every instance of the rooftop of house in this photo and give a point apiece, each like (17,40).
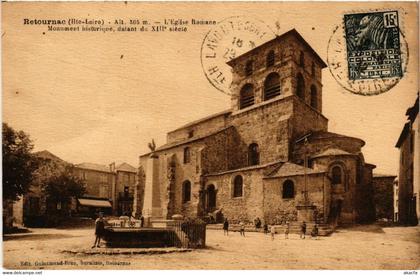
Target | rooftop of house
(125,167)
(45,154)
(93,166)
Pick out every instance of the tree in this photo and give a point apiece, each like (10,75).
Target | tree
(61,187)
(18,163)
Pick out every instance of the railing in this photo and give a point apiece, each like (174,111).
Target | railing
(189,234)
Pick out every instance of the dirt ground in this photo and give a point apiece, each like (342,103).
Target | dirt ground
(360,247)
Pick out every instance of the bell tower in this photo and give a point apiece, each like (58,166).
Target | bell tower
(282,67)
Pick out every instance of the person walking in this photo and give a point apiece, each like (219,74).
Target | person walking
(99,229)
(315,231)
(265,228)
(242,228)
(272,231)
(303,230)
(226,227)
(287,230)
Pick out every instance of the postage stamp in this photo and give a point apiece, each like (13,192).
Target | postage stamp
(368,53)
(230,38)
(373,45)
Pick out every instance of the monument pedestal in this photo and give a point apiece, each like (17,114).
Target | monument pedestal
(152,207)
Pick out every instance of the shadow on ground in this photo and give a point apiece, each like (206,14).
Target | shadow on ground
(371,228)
(34,237)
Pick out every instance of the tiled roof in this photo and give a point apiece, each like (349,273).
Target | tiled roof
(225,112)
(333,152)
(329,135)
(293,32)
(93,166)
(291,169)
(125,167)
(185,141)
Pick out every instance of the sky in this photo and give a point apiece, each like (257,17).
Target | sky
(101,97)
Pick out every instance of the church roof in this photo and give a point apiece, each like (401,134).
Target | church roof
(333,152)
(125,167)
(201,120)
(186,141)
(292,32)
(330,135)
(291,169)
(93,166)
(247,168)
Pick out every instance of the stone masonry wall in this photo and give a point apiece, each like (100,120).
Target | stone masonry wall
(198,129)
(245,208)
(278,209)
(384,197)
(267,127)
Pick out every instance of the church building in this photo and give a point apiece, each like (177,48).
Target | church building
(269,156)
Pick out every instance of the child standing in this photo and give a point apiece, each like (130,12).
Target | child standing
(272,231)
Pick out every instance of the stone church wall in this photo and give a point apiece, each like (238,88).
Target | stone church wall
(278,209)
(245,208)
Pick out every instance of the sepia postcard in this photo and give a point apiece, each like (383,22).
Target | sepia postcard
(210,136)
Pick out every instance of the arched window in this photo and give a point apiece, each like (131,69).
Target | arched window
(288,189)
(271,86)
(247,96)
(186,191)
(300,88)
(314,97)
(211,197)
(301,59)
(253,154)
(237,186)
(249,67)
(270,58)
(336,175)
(187,155)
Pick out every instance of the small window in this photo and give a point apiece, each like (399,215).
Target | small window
(271,86)
(301,59)
(246,96)
(288,189)
(314,97)
(313,69)
(186,191)
(270,58)
(187,155)
(249,68)
(336,175)
(300,88)
(190,133)
(237,186)
(253,154)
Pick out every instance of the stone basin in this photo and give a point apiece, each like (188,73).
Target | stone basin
(139,237)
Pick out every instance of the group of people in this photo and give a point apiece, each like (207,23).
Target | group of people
(314,232)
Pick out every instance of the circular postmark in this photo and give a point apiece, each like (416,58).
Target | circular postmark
(368,53)
(229,39)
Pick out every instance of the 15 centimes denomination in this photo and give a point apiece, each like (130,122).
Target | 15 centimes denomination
(230,38)
(368,54)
